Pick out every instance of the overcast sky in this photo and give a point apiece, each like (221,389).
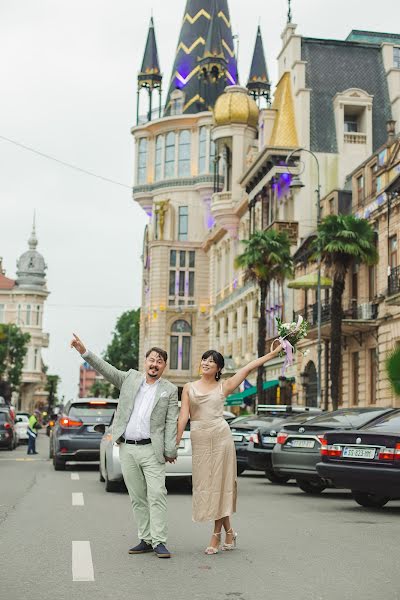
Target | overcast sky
(68,88)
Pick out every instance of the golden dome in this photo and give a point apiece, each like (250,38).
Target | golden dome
(236,106)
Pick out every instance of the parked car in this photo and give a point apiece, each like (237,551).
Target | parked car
(297,451)
(110,467)
(74,437)
(8,435)
(263,440)
(21,426)
(366,461)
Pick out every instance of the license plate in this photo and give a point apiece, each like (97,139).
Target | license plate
(303,443)
(269,439)
(182,444)
(237,438)
(366,453)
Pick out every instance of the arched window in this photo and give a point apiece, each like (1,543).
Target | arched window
(212,156)
(184,154)
(180,345)
(158,162)
(142,161)
(170,156)
(202,150)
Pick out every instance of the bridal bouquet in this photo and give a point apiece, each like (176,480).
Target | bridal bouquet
(289,335)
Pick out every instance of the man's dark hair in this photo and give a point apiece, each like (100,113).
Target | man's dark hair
(158,351)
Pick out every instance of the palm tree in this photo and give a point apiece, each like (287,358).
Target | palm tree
(342,240)
(266,258)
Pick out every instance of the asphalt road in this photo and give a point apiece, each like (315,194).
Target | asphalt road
(55,526)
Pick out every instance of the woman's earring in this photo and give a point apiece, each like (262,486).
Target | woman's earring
(218,376)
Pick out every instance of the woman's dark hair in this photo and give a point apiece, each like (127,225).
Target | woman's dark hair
(217,358)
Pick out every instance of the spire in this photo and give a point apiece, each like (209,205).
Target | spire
(33,242)
(150,74)
(289,15)
(206,30)
(258,83)
(213,63)
(30,265)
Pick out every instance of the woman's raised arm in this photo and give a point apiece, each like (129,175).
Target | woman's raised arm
(233,382)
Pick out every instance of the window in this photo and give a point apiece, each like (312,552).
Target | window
(350,124)
(142,161)
(393,251)
(212,156)
(331,206)
(170,156)
(360,189)
(181,286)
(180,345)
(37,316)
(372,282)
(184,154)
(379,183)
(374,169)
(396,58)
(2,311)
(355,367)
(28,315)
(183,223)
(177,100)
(158,163)
(202,150)
(19,322)
(373,372)
(36,359)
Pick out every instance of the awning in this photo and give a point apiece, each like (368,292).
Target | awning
(237,399)
(307,282)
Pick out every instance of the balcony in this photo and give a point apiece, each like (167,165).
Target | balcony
(290,227)
(353,137)
(394,287)
(358,316)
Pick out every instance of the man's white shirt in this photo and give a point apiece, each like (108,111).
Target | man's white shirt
(138,427)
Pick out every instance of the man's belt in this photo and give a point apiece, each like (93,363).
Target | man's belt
(137,442)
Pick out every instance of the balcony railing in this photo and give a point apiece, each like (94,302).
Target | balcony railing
(394,281)
(355,310)
(355,137)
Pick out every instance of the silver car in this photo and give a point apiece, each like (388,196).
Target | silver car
(110,466)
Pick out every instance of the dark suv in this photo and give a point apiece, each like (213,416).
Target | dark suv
(73,437)
(7,431)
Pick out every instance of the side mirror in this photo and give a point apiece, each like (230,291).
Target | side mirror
(100,428)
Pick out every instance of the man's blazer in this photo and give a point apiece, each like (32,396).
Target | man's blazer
(164,416)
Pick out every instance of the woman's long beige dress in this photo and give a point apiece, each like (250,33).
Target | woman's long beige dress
(214,457)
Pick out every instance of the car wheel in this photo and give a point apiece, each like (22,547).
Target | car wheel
(370,500)
(10,446)
(240,469)
(275,478)
(59,465)
(51,451)
(111,486)
(310,487)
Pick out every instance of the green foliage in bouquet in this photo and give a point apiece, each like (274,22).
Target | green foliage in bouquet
(289,332)
(393,370)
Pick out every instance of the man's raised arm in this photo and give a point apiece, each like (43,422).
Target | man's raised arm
(110,373)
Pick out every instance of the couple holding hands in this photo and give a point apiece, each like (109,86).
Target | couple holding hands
(148,427)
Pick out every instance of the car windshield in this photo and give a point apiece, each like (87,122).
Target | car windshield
(351,417)
(22,418)
(389,423)
(90,409)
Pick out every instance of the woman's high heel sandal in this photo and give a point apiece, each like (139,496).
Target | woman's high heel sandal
(226,547)
(214,549)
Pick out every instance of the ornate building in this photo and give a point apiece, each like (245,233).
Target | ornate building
(212,169)
(22,302)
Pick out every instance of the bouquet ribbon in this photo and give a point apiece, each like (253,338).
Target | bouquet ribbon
(287,347)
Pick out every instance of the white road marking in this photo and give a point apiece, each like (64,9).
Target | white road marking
(82,564)
(75,476)
(77,499)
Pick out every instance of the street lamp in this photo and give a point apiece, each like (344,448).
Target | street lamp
(297,184)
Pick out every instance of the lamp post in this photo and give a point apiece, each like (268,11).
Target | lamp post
(296,183)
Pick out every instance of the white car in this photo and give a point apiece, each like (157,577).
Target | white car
(21,427)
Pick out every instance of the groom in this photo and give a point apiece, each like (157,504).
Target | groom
(145,427)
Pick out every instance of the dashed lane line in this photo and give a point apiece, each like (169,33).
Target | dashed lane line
(75,476)
(77,499)
(82,563)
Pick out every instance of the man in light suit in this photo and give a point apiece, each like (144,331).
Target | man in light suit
(145,427)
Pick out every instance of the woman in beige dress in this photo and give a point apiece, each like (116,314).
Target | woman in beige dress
(214,457)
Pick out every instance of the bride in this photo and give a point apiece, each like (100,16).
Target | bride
(214,458)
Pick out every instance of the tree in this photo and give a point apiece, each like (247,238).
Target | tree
(342,240)
(102,389)
(266,258)
(52,382)
(123,351)
(13,349)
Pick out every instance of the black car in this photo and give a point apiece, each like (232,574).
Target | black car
(366,461)
(73,437)
(263,440)
(297,451)
(7,431)
(241,429)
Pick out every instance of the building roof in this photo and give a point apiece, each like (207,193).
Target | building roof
(6,283)
(335,66)
(191,47)
(258,77)
(284,132)
(150,73)
(373,37)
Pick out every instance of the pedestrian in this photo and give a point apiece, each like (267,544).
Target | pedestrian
(33,427)
(145,427)
(214,471)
